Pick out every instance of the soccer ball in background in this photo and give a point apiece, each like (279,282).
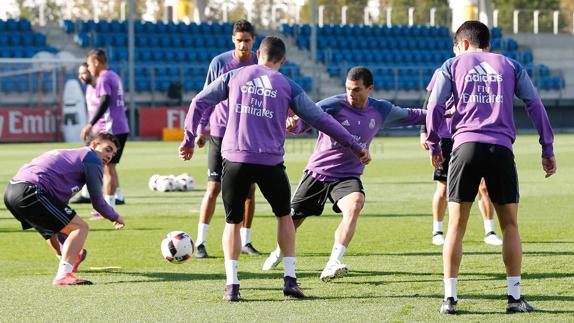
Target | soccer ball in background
(184,183)
(152,183)
(177,247)
(165,183)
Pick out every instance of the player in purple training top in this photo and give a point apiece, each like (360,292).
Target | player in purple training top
(439,202)
(38,195)
(483,86)
(243,38)
(110,92)
(92,104)
(333,173)
(259,98)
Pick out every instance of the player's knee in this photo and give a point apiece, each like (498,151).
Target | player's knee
(213,190)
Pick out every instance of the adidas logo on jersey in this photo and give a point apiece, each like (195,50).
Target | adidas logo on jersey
(346,123)
(260,86)
(483,72)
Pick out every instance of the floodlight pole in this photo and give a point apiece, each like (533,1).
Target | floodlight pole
(131,59)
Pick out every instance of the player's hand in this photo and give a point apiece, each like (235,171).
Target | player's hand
(423,141)
(119,223)
(200,140)
(185,153)
(85,133)
(549,165)
(291,122)
(437,160)
(364,156)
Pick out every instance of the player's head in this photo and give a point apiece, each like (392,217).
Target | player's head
(243,38)
(105,145)
(358,85)
(472,35)
(84,74)
(97,61)
(272,50)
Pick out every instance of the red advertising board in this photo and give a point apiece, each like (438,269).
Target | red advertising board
(153,120)
(27,125)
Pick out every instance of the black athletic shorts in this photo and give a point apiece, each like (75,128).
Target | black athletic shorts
(214,159)
(122,138)
(472,161)
(34,208)
(446,148)
(236,182)
(311,194)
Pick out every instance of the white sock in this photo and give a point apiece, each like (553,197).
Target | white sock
(84,192)
(201,233)
(231,272)
(119,195)
(289,266)
(437,226)
(337,252)
(450,288)
(245,236)
(488,226)
(513,286)
(64,268)
(111,200)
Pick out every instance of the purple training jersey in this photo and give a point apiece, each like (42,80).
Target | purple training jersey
(329,160)
(93,104)
(220,65)
(483,86)
(259,99)
(63,172)
(115,121)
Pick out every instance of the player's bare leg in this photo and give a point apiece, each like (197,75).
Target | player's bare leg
(487,211)
(246,245)
(206,210)
(439,205)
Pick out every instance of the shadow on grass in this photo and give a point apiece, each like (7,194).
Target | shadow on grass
(393,215)
(149,277)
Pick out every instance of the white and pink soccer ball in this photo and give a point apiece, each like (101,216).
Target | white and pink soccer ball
(177,247)
(184,183)
(171,183)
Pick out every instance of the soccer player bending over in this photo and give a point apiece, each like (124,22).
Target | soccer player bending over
(332,172)
(259,98)
(38,195)
(483,85)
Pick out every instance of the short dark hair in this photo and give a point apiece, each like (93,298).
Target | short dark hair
(107,136)
(84,64)
(475,32)
(243,26)
(100,55)
(361,73)
(273,48)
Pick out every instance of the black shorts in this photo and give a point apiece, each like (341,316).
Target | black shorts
(446,148)
(472,161)
(236,182)
(122,138)
(34,208)
(311,194)
(214,159)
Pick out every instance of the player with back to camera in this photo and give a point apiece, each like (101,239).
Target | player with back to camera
(109,91)
(253,147)
(483,85)
(439,202)
(243,38)
(38,195)
(332,172)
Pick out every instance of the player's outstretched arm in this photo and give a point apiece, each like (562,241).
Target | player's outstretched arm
(549,165)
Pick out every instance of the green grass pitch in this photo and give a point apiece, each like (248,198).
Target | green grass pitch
(396,273)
